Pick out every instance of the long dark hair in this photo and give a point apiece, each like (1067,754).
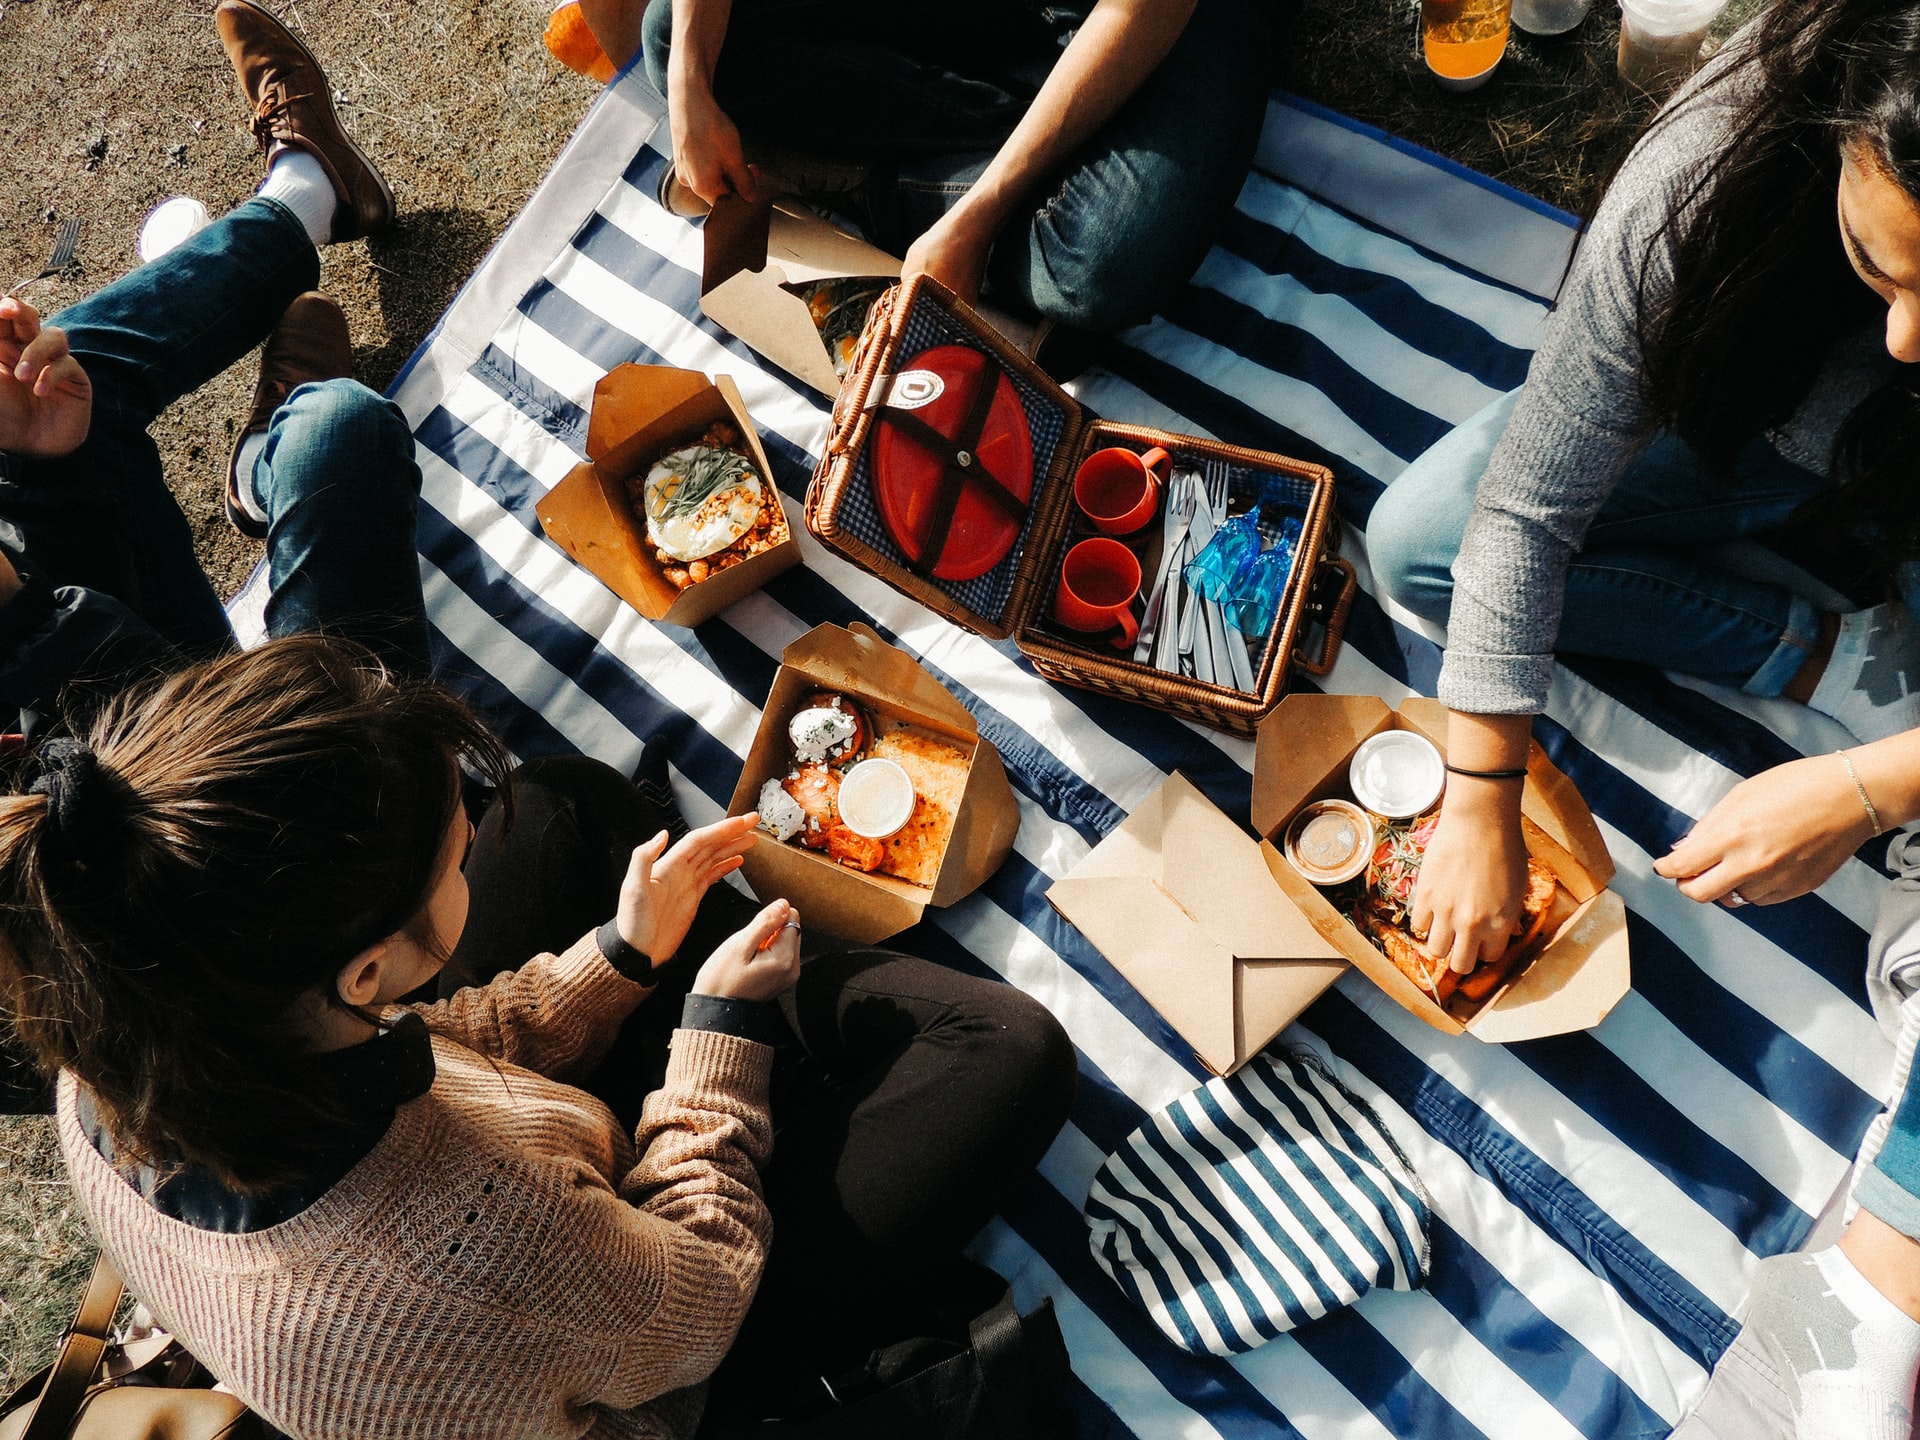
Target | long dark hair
(1762,287)
(219,844)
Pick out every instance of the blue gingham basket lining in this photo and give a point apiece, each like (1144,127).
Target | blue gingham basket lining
(985,595)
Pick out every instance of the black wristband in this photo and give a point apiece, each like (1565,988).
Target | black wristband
(1519,774)
(634,964)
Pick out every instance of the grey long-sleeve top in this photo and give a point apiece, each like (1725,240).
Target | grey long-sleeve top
(1581,419)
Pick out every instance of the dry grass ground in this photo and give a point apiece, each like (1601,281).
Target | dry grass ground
(112,105)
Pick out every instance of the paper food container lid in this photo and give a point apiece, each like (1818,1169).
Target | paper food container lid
(887,681)
(752,252)
(1177,899)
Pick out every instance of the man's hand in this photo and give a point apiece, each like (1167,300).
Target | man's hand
(954,252)
(664,887)
(46,399)
(760,962)
(707,154)
(1775,836)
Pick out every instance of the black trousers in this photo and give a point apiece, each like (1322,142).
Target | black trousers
(909,1102)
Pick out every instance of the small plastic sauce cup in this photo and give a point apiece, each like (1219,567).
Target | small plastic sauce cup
(1330,841)
(876,799)
(1397,774)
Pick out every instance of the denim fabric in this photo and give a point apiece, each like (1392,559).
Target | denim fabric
(100,529)
(1643,585)
(929,103)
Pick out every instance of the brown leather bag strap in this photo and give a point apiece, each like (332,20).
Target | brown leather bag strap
(78,1364)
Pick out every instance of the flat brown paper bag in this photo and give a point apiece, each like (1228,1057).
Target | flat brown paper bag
(1180,901)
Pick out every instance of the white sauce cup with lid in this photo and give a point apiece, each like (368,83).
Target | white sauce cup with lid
(1397,774)
(876,799)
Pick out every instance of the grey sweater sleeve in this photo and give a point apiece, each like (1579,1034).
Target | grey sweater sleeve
(1578,422)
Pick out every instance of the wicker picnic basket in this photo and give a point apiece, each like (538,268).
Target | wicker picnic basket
(1012,599)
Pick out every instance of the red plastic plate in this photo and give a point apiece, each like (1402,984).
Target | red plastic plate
(906,475)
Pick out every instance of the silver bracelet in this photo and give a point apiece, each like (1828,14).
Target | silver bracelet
(1873,815)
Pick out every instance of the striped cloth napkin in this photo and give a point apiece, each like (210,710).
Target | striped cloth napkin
(1255,1204)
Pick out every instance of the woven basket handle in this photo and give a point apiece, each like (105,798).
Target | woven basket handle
(1329,602)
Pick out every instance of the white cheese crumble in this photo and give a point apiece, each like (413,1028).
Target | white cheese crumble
(780,814)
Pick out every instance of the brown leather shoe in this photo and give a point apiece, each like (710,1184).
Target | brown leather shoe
(309,343)
(292,106)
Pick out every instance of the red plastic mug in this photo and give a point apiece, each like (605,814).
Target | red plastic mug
(1118,490)
(1098,581)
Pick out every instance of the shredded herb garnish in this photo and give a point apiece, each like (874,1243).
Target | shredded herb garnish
(694,477)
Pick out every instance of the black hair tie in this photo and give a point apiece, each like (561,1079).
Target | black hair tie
(71,779)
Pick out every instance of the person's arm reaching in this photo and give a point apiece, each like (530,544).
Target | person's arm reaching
(1108,60)
(707,154)
(1474,875)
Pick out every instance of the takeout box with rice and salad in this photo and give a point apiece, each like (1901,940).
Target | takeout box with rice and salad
(675,510)
(1231,947)
(876,793)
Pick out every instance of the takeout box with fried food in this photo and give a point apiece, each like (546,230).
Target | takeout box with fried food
(1230,943)
(641,415)
(1573,970)
(964,819)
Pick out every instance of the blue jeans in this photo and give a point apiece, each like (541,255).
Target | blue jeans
(112,589)
(1644,585)
(928,93)
(112,584)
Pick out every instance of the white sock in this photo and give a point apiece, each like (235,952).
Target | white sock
(299,182)
(246,492)
(1847,1355)
(1872,683)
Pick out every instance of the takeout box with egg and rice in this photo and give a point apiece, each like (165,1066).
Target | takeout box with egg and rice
(847,716)
(675,510)
(1229,940)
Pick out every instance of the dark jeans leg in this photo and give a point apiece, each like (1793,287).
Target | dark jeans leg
(1140,207)
(915,1102)
(865,80)
(542,882)
(103,518)
(340,486)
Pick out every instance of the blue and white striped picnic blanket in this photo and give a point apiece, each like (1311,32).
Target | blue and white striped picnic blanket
(1601,1198)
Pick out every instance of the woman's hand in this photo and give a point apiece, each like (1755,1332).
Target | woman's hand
(1473,881)
(1777,835)
(46,399)
(663,887)
(954,252)
(760,962)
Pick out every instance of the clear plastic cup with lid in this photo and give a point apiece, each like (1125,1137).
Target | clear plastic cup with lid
(876,799)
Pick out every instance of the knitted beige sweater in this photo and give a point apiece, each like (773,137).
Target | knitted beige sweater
(506,1261)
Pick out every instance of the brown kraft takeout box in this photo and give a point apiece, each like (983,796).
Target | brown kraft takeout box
(753,252)
(837,900)
(641,412)
(1582,969)
(1014,599)
(1230,943)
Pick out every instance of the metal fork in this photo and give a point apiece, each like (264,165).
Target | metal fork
(64,244)
(1183,492)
